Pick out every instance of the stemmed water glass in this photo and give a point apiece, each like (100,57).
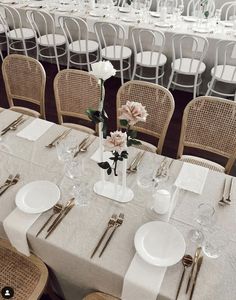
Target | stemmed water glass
(204,217)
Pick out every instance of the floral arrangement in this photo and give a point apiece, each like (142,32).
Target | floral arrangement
(204,6)
(103,70)
(116,143)
(131,113)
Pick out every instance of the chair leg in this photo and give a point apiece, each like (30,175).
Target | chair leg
(157,74)
(68,59)
(170,80)
(88,63)
(121,72)
(129,62)
(1,54)
(210,86)
(162,75)
(57,60)
(195,86)
(134,71)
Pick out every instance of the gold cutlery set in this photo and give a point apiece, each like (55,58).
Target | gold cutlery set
(112,225)
(135,162)
(61,212)
(59,138)
(196,264)
(10,181)
(13,125)
(226,200)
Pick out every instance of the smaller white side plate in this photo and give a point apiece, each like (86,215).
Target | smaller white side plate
(37,196)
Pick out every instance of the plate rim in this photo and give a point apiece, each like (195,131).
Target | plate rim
(146,259)
(29,183)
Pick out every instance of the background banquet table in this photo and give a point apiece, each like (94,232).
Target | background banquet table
(67,251)
(181,26)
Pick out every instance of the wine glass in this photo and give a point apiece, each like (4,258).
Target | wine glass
(204,217)
(67,148)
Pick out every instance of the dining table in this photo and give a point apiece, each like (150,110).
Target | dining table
(67,251)
(133,18)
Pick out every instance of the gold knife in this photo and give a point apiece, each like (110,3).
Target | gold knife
(7,128)
(61,213)
(81,145)
(133,162)
(66,211)
(196,256)
(58,138)
(199,264)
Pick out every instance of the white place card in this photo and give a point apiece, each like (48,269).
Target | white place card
(35,129)
(192,178)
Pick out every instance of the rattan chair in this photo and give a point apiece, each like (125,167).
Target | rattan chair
(26,275)
(25,80)
(209,124)
(159,104)
(75,91)
(99,296)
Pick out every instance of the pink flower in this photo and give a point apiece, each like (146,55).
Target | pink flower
(116,141)
(133,112)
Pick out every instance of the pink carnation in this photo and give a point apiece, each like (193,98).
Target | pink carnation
(133,112)
(116,141)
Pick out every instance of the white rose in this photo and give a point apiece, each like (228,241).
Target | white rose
(116,141)
(103,70)
(133,112)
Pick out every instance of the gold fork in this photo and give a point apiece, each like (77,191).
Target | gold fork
(118,223)
(13,182)
(8,180)
(110,224)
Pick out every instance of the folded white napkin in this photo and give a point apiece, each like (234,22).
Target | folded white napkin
(143,280)
(16,226)
(192,178)
(35,129)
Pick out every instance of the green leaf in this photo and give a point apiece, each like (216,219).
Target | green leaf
(124,123)
(109,170)
(135,142)
(206,14)
(132,134)
(129,143)
(104,165)
(94,115)
(124,154)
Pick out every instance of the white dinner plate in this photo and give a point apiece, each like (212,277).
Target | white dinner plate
(155,14)
(190,19)
(95,13)
(124,9)
(201,30)
(37,196)
(128,19)
(162,25)
(227,23)
(159,244)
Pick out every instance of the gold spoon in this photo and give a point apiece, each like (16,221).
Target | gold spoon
(187,261)
(56,209)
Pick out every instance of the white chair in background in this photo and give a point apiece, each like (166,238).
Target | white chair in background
(3,40)
(111,39)
(80,50)
(224,70)
(49,41)
(188,52)
(169,3)
(18,38)
(194,8)
(230,13)
(224,9)
(148,47)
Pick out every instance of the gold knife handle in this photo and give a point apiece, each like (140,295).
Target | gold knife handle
(133,162)
(100,241)
(81,145)
(180,283)
(193,287)
(67,210)
(44,225)
(108,240)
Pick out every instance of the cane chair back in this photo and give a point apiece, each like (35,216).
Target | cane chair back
(75,92)
(159,104)
(99,296)
(24,79)
(26,275)
(209,124)
(194,8)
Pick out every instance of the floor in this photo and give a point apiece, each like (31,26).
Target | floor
(112,85)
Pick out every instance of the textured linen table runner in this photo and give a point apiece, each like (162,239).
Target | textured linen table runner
(192,178)
(142,280)
(16,226)
(35,129)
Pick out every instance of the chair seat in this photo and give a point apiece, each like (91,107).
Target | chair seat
(48,41)
(80,128)
(188,66)
(80,46)
(145,59)
(16,34)
(228,75)
(203,162)
(109,52)
(146,147)
(26,111)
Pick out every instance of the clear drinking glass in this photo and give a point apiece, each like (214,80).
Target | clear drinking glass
(67,148)
(204,217)
(216,239)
